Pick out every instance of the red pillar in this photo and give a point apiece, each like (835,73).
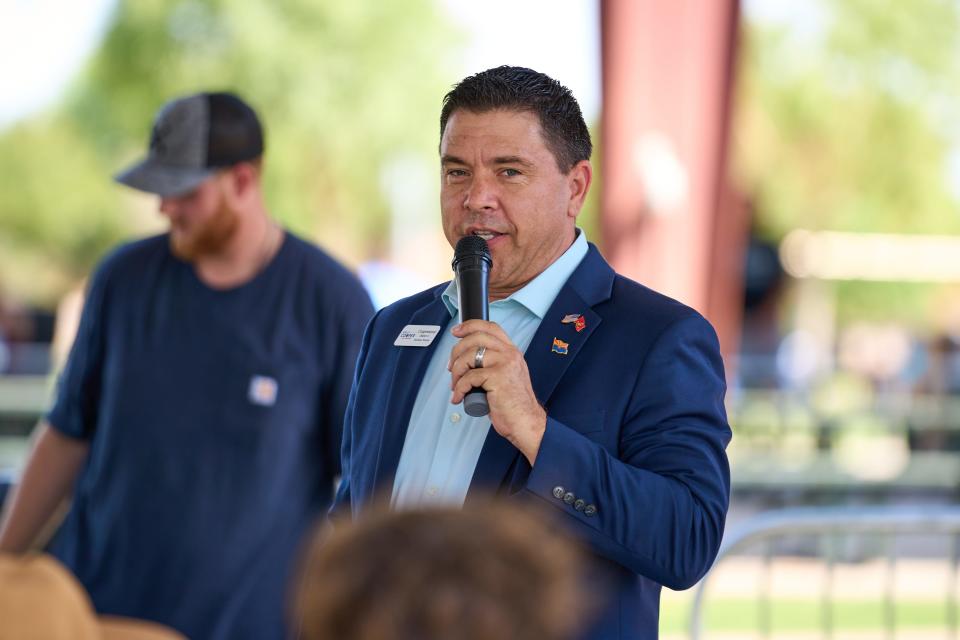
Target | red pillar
(668,216)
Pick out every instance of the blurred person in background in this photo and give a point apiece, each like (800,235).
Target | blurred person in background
(490,572)
(938,427)
(25,333)
(197,421)
(606,399)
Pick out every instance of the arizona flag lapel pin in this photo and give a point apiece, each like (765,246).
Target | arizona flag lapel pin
(559,346)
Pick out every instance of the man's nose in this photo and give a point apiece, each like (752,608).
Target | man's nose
(481,194)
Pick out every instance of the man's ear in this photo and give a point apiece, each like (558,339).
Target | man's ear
(240,182)
(245,178)
(579,179)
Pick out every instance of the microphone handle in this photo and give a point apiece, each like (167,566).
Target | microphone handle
(473,280)
(475,402)
(472,285)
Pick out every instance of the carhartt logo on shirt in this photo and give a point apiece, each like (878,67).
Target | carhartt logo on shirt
(263,391)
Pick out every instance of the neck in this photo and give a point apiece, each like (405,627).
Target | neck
(247,254)
(505,291)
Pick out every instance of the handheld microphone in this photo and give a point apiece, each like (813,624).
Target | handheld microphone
(471,264)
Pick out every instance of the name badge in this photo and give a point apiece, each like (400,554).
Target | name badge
(417,335)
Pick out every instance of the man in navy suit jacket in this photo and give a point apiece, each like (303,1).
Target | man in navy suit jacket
(606,398)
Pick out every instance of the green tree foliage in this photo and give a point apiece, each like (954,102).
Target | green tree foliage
(342,87)
(847,124)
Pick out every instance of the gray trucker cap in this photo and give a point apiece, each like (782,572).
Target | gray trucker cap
(192,138)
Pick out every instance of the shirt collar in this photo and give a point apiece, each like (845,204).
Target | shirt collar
(538,294)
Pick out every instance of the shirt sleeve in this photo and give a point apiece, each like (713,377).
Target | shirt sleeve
(75,406)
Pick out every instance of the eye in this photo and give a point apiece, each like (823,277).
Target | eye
(511,173)
(456,173)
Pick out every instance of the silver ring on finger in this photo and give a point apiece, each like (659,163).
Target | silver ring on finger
(478,357)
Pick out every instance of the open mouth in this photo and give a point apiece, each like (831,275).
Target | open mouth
(486,235)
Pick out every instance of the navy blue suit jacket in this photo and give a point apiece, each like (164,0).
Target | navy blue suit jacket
(636,428)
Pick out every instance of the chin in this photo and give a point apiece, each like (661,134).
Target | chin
(182,249)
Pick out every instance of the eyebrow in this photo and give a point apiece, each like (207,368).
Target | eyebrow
(448,159)
(511,160)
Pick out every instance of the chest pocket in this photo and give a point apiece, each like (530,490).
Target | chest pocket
(272,395)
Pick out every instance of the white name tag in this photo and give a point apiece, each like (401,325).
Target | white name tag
(416,335)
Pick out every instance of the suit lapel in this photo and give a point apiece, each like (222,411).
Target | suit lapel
(410,369)
(547,363)
(589,284)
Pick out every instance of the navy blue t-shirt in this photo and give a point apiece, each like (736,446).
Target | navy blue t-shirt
(214,421)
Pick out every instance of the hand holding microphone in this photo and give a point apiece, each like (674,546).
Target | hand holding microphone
(488,373)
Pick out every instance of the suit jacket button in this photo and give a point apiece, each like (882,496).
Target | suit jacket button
(558,492)
(579,505)
(590,510)
(568,498)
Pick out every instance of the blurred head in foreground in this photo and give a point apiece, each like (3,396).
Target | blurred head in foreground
(480,573)
(41,600)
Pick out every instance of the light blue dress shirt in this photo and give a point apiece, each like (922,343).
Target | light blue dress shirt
(443,443)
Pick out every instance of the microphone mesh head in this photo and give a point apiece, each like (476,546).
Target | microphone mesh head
(471,246)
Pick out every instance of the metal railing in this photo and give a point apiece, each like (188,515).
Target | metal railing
(829,525)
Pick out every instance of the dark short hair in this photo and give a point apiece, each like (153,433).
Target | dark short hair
(521,89)
(488,571)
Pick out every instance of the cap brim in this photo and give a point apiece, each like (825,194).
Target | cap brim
(163,180)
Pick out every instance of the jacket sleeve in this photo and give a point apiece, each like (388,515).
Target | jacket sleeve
(354,314)
(341,508)
(657,506)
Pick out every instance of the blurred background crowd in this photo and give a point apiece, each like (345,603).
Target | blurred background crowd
(842,148)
